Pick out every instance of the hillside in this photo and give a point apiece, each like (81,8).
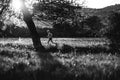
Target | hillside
(101,12)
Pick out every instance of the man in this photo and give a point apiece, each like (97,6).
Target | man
(50,35)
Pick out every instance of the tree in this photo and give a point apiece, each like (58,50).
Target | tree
(27,16)
(114,30)
(57,8)
(95,25)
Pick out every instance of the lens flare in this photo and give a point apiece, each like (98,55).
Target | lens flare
(16,5)
(15,8)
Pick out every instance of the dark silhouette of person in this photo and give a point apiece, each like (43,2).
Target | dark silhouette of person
(50,36)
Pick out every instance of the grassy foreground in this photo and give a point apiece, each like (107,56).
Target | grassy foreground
(21,62)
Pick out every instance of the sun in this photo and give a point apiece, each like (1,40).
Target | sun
(16,5)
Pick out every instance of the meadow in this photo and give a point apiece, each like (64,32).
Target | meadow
(70,59)
(75,42)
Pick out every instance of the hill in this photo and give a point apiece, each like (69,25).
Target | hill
(101,12)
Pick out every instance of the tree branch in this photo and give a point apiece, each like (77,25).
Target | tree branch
(4,4)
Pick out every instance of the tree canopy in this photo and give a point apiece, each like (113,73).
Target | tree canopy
(52,9)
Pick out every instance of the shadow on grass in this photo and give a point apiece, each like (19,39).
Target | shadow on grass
(52,69)
(48,69)
(68,49)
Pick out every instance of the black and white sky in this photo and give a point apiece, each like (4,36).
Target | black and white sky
(99,3)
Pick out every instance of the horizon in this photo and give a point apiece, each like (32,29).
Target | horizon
(98,4)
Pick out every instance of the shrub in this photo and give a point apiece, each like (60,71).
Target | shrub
(114,32)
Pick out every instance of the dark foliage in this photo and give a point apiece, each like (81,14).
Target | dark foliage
(66,49)
(52,9)
(65,27)
(114,31)
(94,24)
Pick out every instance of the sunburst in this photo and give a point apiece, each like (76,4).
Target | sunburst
(16,5)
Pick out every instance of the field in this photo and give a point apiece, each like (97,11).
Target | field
(75,42)
(74,59)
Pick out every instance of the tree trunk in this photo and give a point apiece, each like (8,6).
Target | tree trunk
(27,17)
(35,36)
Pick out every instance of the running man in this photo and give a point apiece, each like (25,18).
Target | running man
(50,35)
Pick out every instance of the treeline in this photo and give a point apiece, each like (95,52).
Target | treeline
(68,21)
(89,27)
(92,26)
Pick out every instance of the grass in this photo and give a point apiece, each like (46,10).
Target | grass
(21,62)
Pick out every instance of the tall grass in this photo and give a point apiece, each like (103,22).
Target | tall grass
(21,62)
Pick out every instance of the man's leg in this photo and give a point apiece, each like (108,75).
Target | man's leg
(48,40)
(52,41)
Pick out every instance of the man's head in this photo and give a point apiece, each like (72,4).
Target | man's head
(48,31)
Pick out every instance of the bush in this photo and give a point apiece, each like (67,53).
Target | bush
(114,32)
(66,27)
(94,24)
(66,48)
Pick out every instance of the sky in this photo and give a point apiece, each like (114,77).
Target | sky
(99,3)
